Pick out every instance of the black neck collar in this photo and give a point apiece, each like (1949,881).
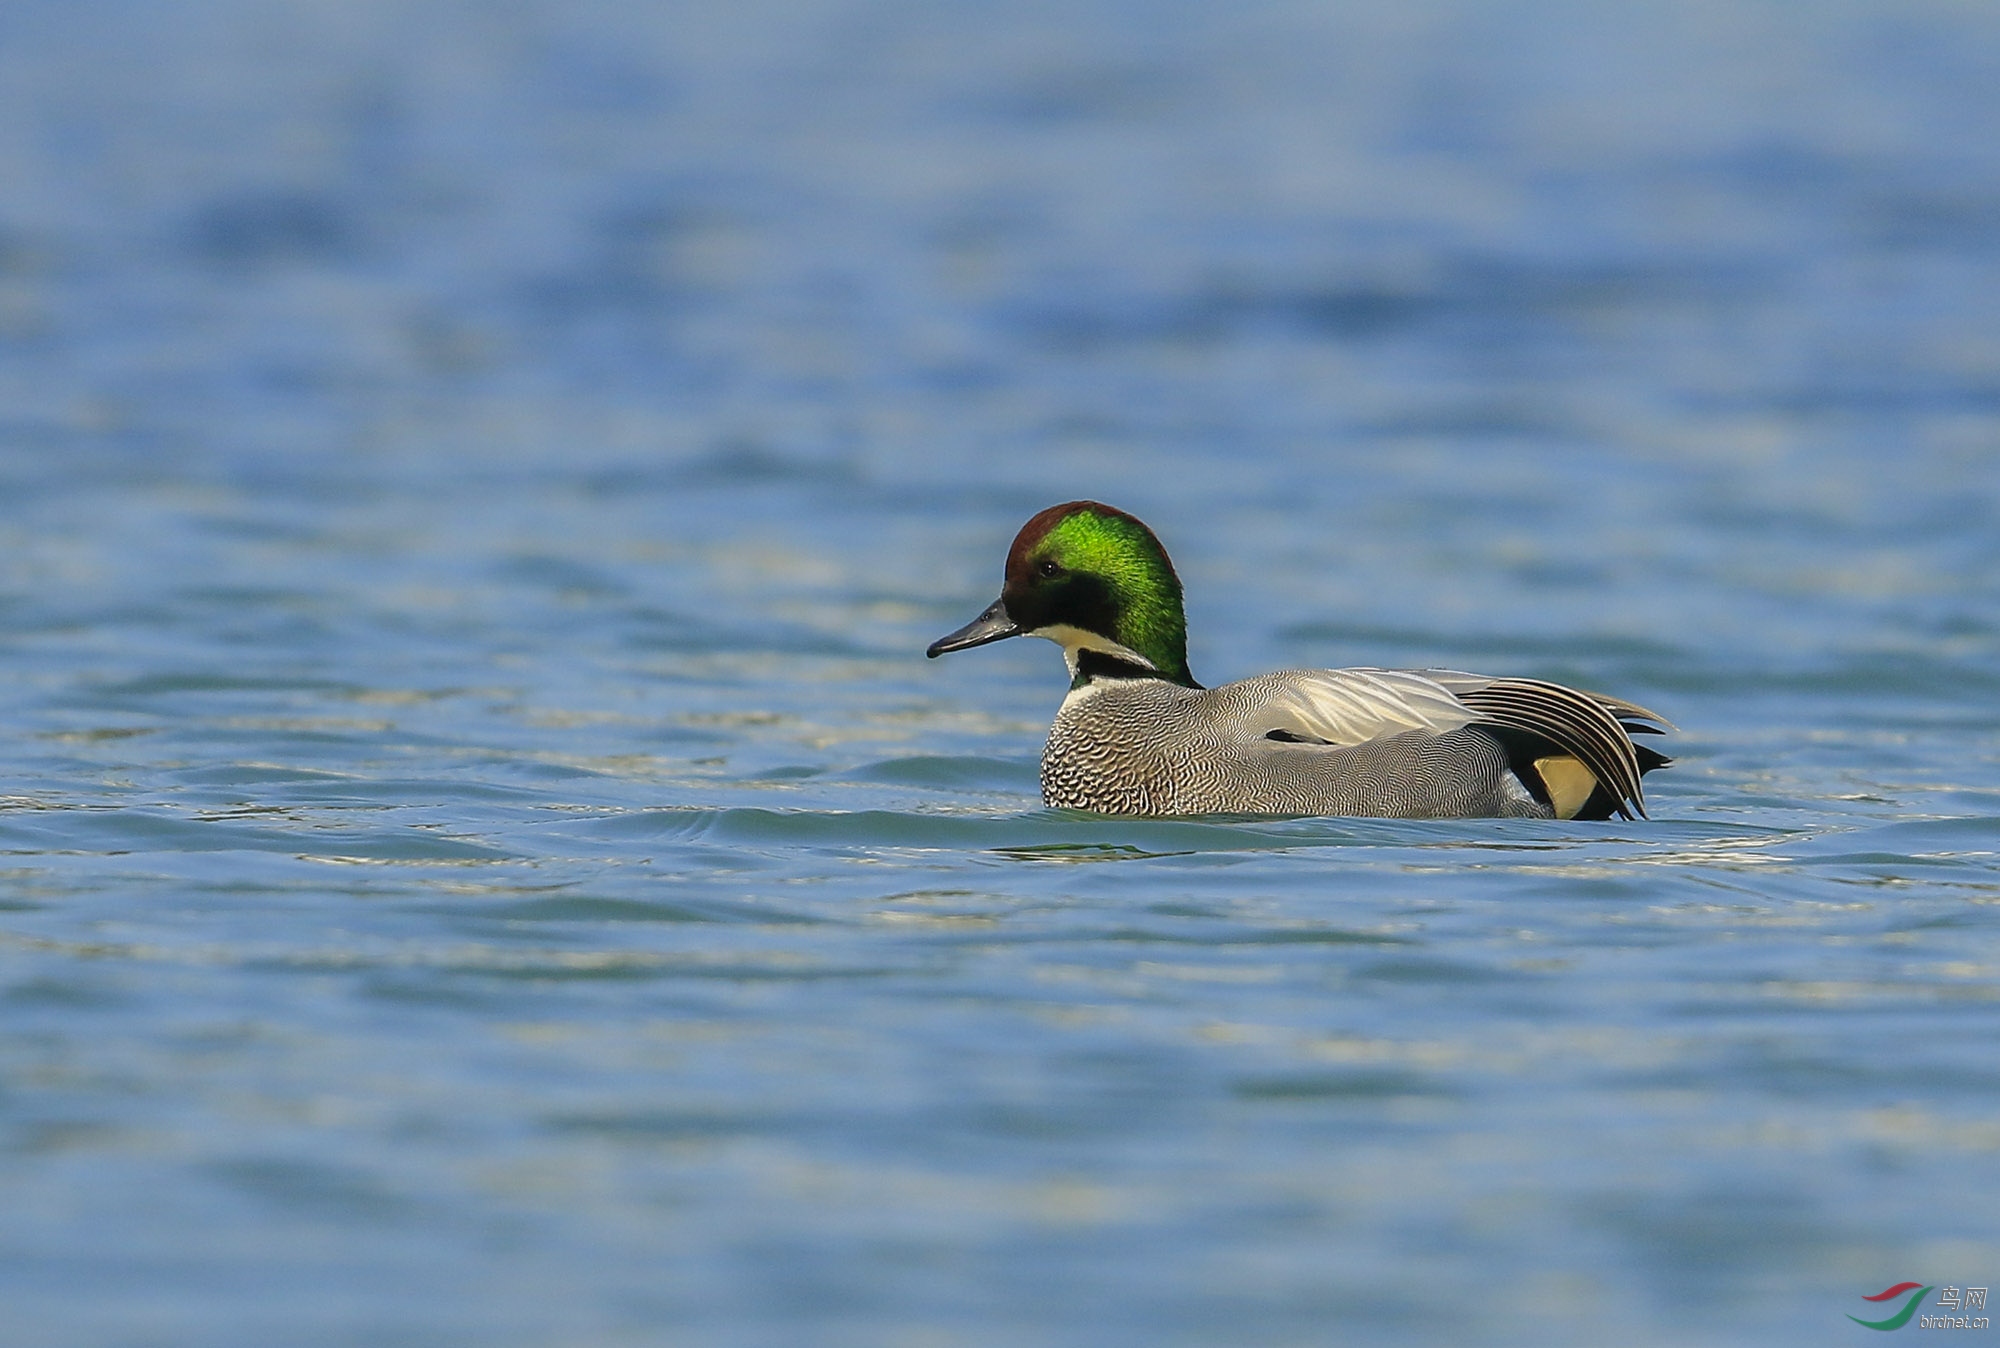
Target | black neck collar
(1093,665)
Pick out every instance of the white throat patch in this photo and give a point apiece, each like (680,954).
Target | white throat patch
(1075,641)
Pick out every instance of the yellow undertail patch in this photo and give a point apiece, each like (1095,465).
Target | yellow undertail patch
(1569,782)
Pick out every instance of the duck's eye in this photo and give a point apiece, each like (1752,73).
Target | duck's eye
(1050,568)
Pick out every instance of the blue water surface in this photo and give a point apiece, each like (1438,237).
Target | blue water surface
(483,860)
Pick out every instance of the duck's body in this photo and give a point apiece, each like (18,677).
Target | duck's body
(1137,735)
(1302,741)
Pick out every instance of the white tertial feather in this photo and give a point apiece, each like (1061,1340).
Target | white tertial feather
(1352,706)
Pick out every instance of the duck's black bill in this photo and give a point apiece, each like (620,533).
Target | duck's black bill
(992,625)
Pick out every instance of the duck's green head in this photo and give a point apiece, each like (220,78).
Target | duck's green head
(1095,581)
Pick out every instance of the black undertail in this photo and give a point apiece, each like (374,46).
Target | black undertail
(1533,720)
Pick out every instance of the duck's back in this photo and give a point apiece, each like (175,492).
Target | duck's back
(1147,746)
